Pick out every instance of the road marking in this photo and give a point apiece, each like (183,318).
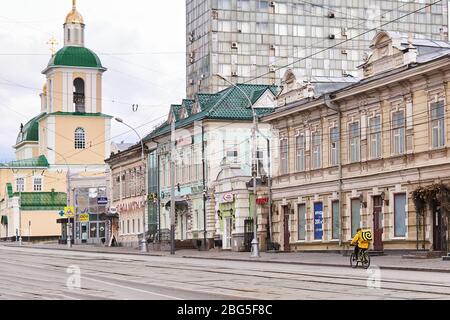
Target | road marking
(131,288)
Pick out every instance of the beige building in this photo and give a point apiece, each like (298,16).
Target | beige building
(351,155)
(128,193)
(64,143)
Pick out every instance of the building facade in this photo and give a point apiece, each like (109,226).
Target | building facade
(212,166)
(243,39)
(65,142)
(128,182)
(354,156)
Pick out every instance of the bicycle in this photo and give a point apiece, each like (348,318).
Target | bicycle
(363,257)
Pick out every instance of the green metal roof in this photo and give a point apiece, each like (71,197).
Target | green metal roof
(75,57)
(40,162)
(37,201)
(230,104)
(30,131)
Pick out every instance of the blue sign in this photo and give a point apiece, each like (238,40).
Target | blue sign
(318,221)
(102,200)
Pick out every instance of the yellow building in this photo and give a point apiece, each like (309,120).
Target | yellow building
(66,142)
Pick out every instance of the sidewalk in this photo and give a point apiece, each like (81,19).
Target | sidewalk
(391,262)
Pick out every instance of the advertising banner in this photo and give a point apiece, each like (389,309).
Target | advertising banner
(318,221)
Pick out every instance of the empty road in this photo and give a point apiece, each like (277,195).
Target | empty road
(43,274)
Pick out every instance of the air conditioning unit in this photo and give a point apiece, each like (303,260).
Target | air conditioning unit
(234,45)
(234,74)
(344,32)
(344,51)
(272,68)
(191,82)
(191,60)
(345,73)
(331,36)
(203,76)
(331,15)
(239,30)
(272,47)
(272,4)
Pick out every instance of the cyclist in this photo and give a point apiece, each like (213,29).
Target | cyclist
(359,243)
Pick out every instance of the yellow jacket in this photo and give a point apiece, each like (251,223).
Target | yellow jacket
(361,243)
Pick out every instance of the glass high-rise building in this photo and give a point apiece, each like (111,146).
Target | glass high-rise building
(243,39)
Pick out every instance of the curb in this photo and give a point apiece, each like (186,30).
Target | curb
(237,259)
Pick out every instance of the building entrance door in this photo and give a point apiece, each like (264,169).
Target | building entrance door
(227,230)
(84,232)
(287,234)
(438,243)
(377,223)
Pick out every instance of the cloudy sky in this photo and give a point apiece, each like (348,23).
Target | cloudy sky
(142,43)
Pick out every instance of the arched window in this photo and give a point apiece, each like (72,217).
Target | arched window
(80,139)
(78,95)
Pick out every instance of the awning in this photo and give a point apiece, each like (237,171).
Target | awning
(181,204)
(4,220)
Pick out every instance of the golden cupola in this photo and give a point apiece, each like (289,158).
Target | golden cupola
(74,28)
(74,17)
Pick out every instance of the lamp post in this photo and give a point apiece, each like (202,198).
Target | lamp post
(69,233)
(143,242)
(255,242)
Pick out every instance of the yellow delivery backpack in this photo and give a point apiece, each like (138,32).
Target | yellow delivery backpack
(366,235)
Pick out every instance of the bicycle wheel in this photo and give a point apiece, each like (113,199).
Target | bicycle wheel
(353,261)
(366,260)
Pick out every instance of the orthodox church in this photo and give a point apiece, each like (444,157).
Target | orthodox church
(62,148)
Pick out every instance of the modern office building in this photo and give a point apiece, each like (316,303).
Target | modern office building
(243,39)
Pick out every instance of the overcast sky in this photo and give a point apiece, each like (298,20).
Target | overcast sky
(142,43)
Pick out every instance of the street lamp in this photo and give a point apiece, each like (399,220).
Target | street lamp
(255,242)
(69,234)
(143,242)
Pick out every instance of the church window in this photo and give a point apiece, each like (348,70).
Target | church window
(80,139)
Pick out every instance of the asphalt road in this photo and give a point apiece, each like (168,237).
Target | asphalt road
(53,274)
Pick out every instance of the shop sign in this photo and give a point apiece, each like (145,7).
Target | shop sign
(102,200)
(84,217)
(318,221)
(262,201)
(228,197)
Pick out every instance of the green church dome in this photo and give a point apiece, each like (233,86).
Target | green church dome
(30,131)
(76,57)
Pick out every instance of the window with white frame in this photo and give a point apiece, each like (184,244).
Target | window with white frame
(300,146)
(80,139)
(20,185)
(398,132)
(400,215)
(355,142)
(284,159)
(334,146)
(232,156)
(301,222)
(243,5)
(37,184)
(375,137)
(437,124)
(316,142)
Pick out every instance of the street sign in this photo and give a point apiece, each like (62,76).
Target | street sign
(69,212)
(102,200)
(84,217)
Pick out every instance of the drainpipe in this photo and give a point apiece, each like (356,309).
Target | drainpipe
(204,188)
(330,104)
